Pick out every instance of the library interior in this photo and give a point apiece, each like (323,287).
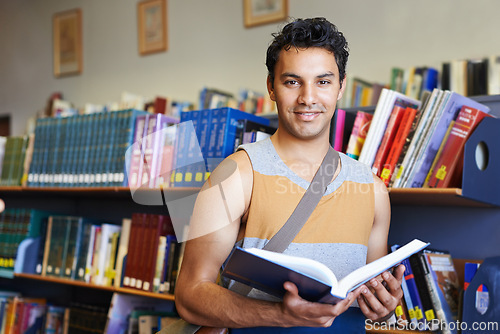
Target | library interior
(114,114)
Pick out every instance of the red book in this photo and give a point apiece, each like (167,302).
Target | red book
(133,255)
(358,134)
(339,130)
(397,145)
(159,225)
(388,138)
(448,169)
(160,105)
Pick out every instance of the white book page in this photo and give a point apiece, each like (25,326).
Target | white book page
(377,267)
(300,264)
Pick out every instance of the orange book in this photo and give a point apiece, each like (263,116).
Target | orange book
(448,169)
(388,138)
(397,146)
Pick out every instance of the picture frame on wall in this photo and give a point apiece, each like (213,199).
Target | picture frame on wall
(152,26)
(258,12)
(67,42)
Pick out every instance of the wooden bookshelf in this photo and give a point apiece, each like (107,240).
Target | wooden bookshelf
(66,281)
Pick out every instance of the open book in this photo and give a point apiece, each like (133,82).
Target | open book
(267,271)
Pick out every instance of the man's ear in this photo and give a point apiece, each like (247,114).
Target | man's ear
(342,88)
(270,89)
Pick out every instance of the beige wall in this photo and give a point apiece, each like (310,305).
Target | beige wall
(209,46)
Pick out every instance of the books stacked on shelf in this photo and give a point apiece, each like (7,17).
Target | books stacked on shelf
(431,292)
(255,103)
(18,226)
(82,150)
(167,106)
(390,102)
(414,81)
(151,266)
(360,93)
(248,131)
(103,254)
(149,158)
(205,138)
(435,117)
(211,98)
(12,163)
(20,314)
(413,144)
(136,314)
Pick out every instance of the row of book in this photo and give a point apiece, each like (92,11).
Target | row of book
(15,226)
(82,150)
(104,254)
(409,142)
(467,77)
(432,292)
(126,148)
(206,137)
(20,315)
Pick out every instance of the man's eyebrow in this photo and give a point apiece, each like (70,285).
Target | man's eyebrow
(326,75)
(291,75)
(296,76)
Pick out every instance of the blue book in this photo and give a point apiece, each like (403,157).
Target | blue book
(228,120)
(267,271)
(406,291)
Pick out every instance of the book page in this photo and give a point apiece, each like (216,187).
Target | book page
(376,267)
(303,265)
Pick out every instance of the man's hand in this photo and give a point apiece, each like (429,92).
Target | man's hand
(381,300)
(300,312)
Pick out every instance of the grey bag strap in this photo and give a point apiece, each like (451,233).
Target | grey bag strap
(280,241)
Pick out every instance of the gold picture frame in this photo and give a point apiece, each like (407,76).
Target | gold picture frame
(67,42)
(152,26)
(258,12)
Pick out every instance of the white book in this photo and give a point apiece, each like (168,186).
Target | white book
(107,231)
(379,123)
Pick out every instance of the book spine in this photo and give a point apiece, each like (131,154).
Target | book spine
(358,134)
(423,291)
(388,139)
(148,148)
(397,146)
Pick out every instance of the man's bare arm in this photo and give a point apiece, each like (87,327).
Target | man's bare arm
(379,301)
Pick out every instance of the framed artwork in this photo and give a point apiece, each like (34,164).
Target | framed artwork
(257,12)
(152,21)
(67,40)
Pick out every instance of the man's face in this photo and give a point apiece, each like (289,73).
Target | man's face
(306,90)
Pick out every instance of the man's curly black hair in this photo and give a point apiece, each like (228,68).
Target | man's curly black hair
(306,33)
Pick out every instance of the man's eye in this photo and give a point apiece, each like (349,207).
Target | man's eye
(291,82)
(324,82)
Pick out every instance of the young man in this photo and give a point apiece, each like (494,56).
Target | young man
(262,184)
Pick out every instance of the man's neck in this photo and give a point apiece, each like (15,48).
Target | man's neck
(302,156)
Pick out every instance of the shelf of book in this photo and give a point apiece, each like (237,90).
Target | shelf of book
(94,286)
(399,196)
